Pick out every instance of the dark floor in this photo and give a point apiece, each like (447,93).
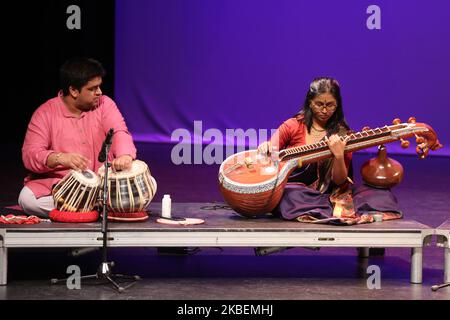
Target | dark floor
(235,274)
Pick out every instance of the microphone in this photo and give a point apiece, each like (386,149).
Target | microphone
(102,156)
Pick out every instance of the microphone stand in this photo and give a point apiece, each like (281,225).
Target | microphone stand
(440,286)
(104,270)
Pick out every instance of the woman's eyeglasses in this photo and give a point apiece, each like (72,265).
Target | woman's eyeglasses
(319,105)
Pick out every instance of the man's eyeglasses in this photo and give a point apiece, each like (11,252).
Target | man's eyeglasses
(319,105)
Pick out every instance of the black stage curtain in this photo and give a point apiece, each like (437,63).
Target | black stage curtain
(36,41)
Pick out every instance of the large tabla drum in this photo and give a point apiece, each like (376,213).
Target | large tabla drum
(129,191)
(77,191)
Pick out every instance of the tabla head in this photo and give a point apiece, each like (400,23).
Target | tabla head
(88,177)
(137,167)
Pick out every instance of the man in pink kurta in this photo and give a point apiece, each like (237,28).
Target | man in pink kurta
(67,132)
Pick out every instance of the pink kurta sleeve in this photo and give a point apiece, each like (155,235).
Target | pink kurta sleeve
(122,139)
(36,147)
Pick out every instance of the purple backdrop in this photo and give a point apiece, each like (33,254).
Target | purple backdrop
(248,63)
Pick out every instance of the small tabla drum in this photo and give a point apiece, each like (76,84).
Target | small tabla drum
(129,192)
(77,192)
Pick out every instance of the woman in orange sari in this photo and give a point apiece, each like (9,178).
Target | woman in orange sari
(322,191)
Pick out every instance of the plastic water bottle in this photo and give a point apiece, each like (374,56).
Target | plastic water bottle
(166,206)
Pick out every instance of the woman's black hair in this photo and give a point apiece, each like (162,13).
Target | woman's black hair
(319,86)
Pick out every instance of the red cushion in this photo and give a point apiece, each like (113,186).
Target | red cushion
(73,217)
(127,216)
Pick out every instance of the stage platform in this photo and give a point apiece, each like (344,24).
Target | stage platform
(222,228)
(443,240)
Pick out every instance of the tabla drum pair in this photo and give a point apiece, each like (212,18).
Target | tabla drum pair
(129,193)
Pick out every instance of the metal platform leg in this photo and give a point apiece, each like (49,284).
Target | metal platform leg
(447,265)
(416,265)
(3,265)
(363,252)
